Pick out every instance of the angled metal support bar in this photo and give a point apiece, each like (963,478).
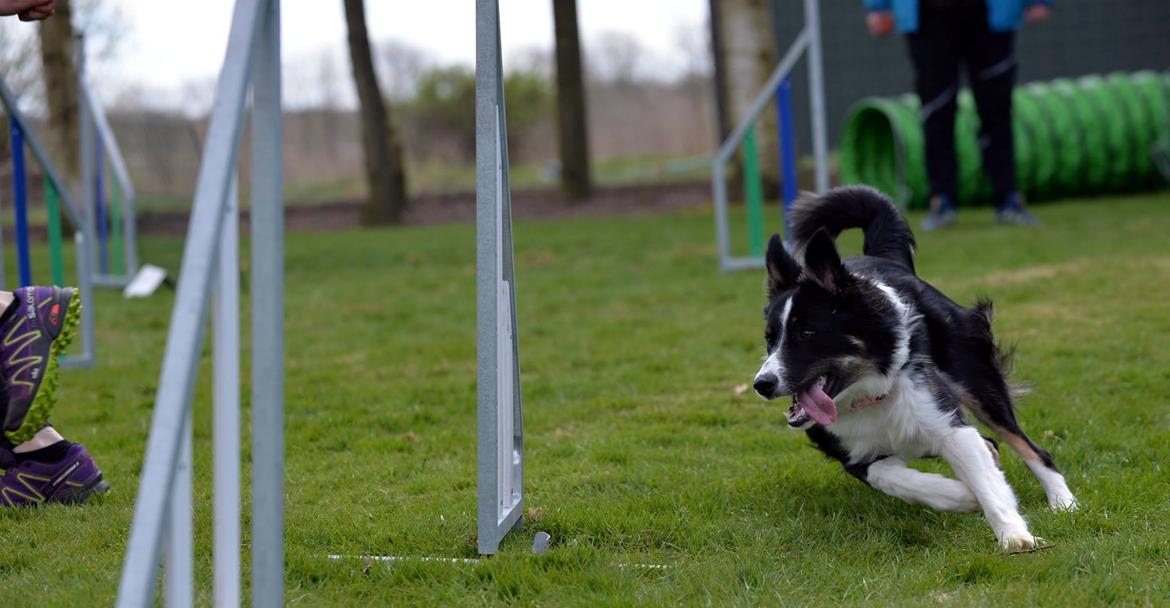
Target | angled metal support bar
(189,315)
(731,264)
(764,98)
(500,444)
(34,145)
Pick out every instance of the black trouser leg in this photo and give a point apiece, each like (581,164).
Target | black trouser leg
(991,70)
(934,53)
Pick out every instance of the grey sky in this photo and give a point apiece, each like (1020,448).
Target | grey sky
(170,45)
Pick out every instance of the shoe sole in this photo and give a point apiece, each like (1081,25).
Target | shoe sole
(96,487)
(46,397)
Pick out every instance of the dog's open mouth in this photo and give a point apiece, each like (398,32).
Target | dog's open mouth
(812,403)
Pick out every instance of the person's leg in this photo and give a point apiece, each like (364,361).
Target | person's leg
(43,438)
(936,81)
(991,69)
(39,465)
(35,328)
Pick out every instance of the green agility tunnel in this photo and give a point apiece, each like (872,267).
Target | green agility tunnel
(1092,135)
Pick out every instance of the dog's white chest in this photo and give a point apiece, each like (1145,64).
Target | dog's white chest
(907,423)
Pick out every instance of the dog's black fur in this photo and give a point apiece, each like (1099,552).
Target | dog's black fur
(868,325)
(959,339)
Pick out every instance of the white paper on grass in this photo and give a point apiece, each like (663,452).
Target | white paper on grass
(145,282)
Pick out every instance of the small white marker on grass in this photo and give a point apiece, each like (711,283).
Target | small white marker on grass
(540,543)
(539,547)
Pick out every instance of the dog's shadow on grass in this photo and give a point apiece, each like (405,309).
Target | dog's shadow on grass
(808,503)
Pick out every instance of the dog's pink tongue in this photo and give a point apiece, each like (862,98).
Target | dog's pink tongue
(817,404)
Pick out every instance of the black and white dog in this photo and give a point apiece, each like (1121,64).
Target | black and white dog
(880,366)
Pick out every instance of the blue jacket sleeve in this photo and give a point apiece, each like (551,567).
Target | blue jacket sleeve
(882,5)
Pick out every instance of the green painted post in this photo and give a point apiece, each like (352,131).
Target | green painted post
(116,267)
(753,193)
(53,208)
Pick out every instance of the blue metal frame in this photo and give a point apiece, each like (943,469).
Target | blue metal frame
(787,141)
(20,203)
(103,224)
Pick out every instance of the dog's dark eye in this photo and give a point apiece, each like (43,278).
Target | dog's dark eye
(806,335)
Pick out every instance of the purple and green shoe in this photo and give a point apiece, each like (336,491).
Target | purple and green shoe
(37,328)
(73,478)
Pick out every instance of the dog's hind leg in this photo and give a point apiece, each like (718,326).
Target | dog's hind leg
(993,407)
(993,447)
(982,369)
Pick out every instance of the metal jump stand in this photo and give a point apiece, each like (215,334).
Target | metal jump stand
(808,40)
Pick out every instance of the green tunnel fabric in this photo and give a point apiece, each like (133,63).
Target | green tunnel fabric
(1091,135)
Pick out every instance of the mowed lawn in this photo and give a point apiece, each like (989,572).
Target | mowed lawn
(640,450)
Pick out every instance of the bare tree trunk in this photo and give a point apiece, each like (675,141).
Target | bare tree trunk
(61,88)
(747,52)
(385,172)
(571,119)
(719,75)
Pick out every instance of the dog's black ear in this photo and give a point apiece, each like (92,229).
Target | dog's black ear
(823,264)
(782,269)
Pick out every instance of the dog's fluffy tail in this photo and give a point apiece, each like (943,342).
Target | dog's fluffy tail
(887,235)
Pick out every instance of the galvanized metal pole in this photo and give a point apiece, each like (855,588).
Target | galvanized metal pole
(189,316)
(816,85)
(84,238)
(180,562)
(88,355)
(722,236)
(89,161)
(500,444)
(267,317)
(226,452)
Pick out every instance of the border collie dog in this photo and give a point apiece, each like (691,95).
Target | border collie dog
(880,366)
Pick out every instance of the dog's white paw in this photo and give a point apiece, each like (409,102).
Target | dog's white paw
(1064,502)
(1021,542)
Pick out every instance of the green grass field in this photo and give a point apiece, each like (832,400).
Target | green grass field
(639,449)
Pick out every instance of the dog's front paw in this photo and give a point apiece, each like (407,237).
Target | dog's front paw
(1021,542)
(1065,502)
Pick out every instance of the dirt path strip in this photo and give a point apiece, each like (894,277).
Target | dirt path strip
(459,208)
